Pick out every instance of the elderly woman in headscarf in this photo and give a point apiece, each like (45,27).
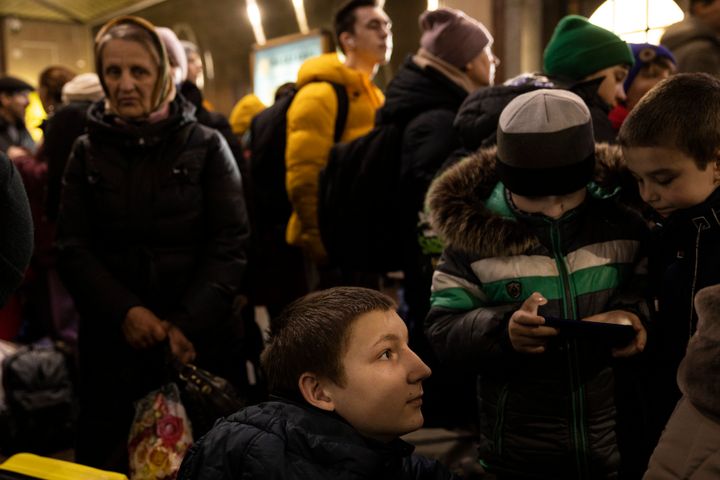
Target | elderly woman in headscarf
(151,238)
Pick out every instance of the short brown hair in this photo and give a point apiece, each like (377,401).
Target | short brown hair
(311,335)
(344,19)
(53,78)
(682,113)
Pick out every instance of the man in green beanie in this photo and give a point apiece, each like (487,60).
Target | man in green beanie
(581,57)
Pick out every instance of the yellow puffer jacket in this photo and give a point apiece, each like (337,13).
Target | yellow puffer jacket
(310,131)
(243,112)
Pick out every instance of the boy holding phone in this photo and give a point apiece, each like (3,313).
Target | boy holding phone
(527,234)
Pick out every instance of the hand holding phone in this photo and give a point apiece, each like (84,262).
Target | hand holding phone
(528,332)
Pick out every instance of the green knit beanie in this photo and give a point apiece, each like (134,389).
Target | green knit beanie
(578,48)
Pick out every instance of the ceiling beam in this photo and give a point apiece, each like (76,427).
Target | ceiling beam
(62,11)
(129,10)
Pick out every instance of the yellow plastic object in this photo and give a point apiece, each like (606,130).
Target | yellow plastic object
(54,469)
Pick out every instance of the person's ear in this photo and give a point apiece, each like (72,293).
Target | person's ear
(313,391)
(347,40)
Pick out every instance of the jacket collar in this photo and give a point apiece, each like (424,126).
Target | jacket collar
(701,217)
(112,130)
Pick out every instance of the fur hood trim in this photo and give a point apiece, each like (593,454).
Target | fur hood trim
(456,203)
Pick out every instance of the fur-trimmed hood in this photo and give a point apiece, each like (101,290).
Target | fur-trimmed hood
(457,199)
(699,373)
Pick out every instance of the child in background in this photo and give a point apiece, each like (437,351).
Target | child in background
(653,63)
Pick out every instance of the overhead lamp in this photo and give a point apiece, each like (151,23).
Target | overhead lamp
(253,13)
(299,7)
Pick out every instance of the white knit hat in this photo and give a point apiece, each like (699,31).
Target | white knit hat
(84,87)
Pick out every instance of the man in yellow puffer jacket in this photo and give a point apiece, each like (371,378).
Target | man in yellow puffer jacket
(362,31)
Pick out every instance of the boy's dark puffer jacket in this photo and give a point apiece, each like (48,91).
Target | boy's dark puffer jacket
(285,440)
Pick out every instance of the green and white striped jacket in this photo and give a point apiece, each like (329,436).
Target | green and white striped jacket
(551,414)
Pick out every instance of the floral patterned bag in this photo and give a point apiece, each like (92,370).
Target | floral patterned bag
(160,435)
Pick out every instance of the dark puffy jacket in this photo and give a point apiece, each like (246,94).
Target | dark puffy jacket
(153,215)
(61,131)
(427,101)
(549,415)
(684,258)
(285,440)
(479,115)
(16,241)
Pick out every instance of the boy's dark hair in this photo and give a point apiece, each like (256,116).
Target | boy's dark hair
(682,113)
(344,19)
(311,335)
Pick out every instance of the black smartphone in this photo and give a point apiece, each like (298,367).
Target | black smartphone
(610,333)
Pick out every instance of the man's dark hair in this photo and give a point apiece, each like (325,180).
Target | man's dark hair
(681,113)
(311,335)
(344,20)
(284,90)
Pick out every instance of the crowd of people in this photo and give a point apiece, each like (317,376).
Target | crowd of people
(535,216)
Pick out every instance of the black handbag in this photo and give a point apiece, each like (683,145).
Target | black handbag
(206,397)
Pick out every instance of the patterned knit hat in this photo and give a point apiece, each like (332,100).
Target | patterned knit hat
(578,48)
(453,36)
(545,144)
(645,54)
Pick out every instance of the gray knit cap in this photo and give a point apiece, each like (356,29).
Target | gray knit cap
(545,143)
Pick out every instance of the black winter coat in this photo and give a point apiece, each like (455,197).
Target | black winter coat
(285,440)
(685,258)
(424,101)
(427,101)
(61,131)
(16,240)
(479,115)
(153,215)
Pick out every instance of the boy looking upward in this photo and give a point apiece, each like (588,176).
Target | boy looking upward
(346,386)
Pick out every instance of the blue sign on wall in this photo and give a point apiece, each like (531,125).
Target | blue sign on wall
(278,64)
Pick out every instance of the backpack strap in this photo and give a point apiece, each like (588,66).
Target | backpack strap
(342,111)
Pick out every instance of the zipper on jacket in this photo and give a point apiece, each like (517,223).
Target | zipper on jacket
(500,420)
(577,391)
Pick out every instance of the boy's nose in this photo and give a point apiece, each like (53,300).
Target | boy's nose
(647,193)
(417,369)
